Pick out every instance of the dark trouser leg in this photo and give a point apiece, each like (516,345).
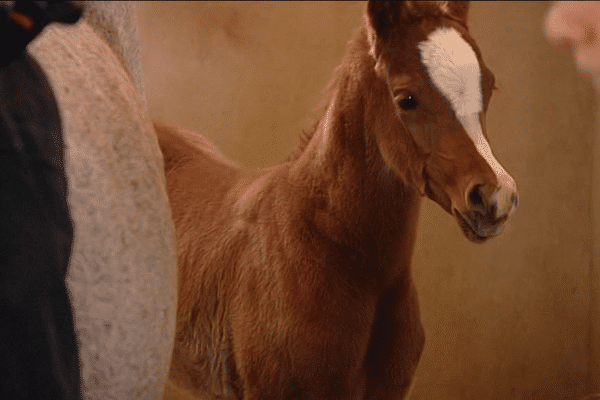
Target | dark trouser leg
(38,349)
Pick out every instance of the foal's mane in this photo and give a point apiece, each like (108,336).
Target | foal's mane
(355,51)
(327,94)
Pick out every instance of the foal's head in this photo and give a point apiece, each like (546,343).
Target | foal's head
(438,91)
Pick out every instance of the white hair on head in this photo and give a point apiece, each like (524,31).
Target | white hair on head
(454,69)
(444,7)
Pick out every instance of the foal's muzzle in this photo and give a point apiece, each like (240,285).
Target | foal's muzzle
(488,210)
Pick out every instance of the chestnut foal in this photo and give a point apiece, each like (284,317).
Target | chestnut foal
(295,279)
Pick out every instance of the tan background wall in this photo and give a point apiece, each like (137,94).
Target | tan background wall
(510,319)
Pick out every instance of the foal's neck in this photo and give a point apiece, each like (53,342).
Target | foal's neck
(359,202)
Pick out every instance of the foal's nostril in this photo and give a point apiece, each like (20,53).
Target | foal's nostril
(515,199)
(475,198)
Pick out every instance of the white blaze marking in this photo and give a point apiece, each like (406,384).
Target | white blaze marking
(503,196)
(454,69)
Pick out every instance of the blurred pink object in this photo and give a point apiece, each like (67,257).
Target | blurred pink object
(575,25)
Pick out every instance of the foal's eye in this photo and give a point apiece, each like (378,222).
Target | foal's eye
(408,102)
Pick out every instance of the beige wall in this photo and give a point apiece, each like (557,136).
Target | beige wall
(245,75)
(510,319)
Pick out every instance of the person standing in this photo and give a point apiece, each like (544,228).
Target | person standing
(38,348)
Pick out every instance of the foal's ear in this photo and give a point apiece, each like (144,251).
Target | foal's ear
(383,16)
(459,10)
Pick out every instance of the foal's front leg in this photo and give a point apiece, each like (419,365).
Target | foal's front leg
(320,356)
(321,379)
(396,345)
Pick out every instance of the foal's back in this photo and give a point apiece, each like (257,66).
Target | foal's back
(197,172)
(211,198)
(199,177)
(198,180)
